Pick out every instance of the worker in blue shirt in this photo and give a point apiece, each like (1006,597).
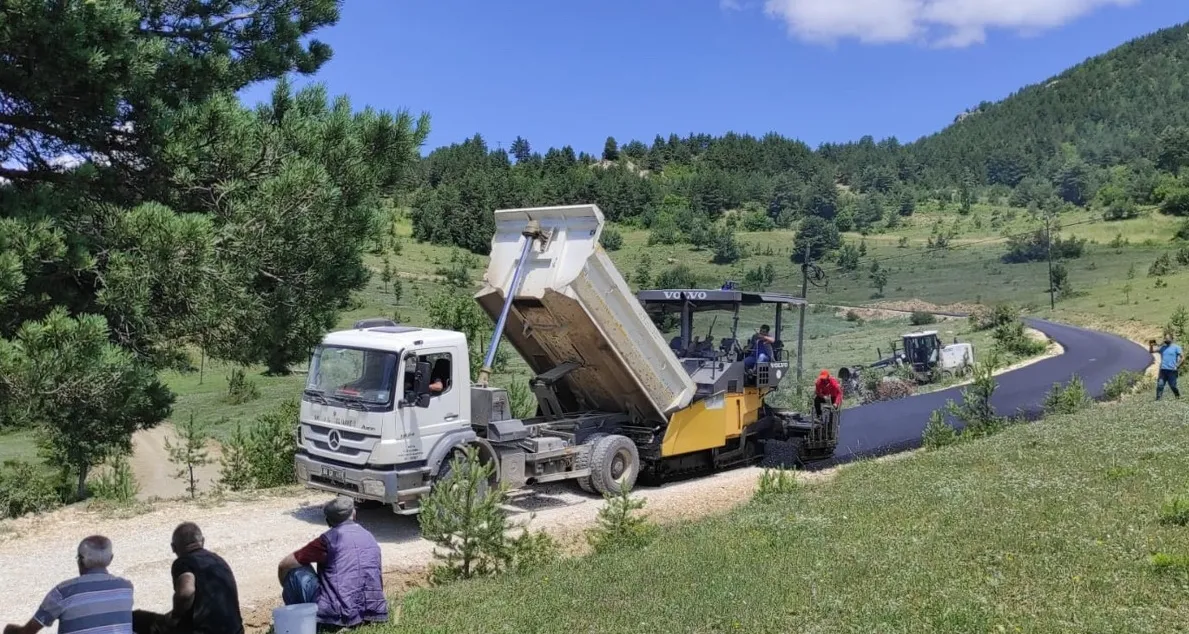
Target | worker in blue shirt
(1171,359)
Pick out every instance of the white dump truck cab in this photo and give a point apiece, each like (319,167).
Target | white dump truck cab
(382,406)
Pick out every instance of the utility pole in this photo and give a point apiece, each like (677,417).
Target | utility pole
(801,321)
(1049,250)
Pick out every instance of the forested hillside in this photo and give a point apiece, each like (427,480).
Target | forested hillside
(1109,110)
(1110,134)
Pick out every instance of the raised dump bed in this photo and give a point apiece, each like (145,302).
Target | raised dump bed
(573,307)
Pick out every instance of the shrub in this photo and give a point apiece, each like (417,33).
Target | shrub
(1121,384)
(262,458)
(1178,323)
(760,278)
(1183,256)
(680,276)
(1067,399)
(848,257)
(619,527)
(272,443)
(776,483)
(664,231)
(1176,203)
(1011,338)
(976,412)
(922,318)
(611,240)
(1164,562)
(1035,248)
(892,388)
(1175,511)
(235,469)
(983,318)
(521,399)
(531,551)
(25,488)
(852,316)
(1120,210)
(239,389)
(116,483)
(938,432)
(1161,266)
(757,220)
(726,248)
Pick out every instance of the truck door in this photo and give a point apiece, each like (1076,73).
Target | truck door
(444,413)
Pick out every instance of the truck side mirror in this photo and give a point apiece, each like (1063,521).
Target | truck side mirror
(421,383)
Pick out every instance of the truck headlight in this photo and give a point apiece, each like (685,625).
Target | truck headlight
(303,474)
(368,486)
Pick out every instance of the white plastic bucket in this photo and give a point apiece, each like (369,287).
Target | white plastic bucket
(300,618)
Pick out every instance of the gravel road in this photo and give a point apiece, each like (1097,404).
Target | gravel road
(36,553)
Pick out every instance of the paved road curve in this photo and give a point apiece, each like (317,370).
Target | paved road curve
(893,426)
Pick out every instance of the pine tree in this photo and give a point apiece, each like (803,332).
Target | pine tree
(190,453)
(235,468)
(610,149)
(619,526)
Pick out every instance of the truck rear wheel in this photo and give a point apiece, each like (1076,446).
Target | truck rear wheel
(614,464)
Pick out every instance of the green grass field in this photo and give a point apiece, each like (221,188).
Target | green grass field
(1045,528)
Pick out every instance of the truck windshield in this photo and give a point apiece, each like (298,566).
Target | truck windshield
(367,376)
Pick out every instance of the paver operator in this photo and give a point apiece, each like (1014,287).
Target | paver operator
(826,388)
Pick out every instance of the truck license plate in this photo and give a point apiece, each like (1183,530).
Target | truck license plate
(334,475)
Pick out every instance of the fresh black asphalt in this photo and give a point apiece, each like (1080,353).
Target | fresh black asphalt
(894,426)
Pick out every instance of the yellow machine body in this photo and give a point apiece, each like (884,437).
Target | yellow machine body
(711,422)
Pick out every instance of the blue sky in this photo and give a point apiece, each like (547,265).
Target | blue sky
(571,72)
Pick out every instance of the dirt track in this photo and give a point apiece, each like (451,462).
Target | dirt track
(154,472)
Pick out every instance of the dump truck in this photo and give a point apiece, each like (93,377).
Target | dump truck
(386,406)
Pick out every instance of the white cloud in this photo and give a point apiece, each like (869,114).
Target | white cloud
(951,23)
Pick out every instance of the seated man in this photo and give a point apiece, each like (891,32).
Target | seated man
(439,376)
(761,348)
(94,601)
(348,587)
(205,596)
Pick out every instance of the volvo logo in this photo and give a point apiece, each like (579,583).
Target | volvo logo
(334,440)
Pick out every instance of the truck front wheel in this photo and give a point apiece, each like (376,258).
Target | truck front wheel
(614,464)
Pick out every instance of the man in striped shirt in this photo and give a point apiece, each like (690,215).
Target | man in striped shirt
(93,602)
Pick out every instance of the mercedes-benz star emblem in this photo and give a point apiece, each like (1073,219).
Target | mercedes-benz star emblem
(333,439)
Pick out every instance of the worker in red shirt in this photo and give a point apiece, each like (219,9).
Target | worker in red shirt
(826,388)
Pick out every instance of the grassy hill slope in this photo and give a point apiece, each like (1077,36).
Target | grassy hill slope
(1111,108)
(1051,527)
